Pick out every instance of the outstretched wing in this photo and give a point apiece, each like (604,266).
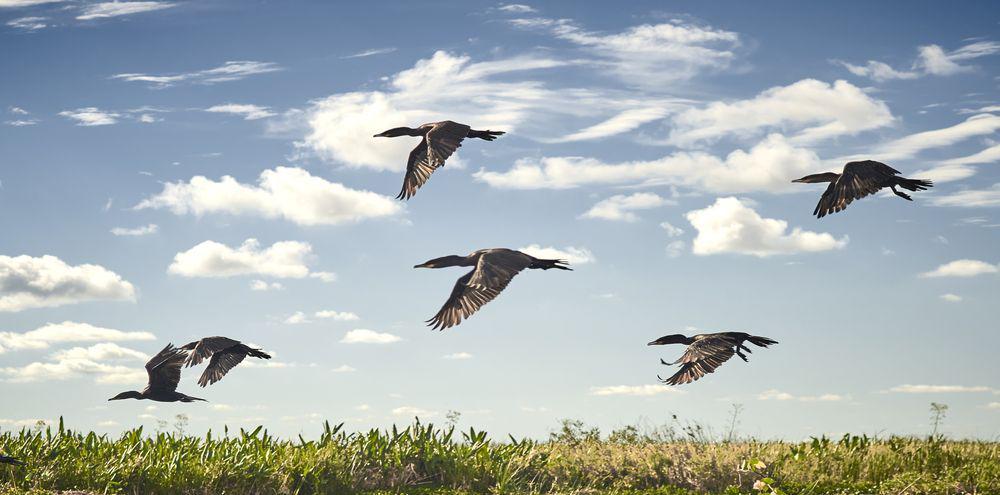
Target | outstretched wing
(206,347)
(700,358)
(483,284)
(859,179)
(220,364)
(164,369)
(430,153)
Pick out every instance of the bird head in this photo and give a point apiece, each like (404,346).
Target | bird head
(441,262)
(675,338)
(824,177)
(131,394)
(394,132)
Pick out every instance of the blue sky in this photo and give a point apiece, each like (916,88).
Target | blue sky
(177,169)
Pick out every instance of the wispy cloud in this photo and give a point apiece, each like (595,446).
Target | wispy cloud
(137,231)
(931,60)
(732,226)
(970,198)
(371,52)
(65,332)
(962,268)
(229,71)
(951,298)
(621,207)
(91,116)
(290,193)
(937,389)
(458,356)
(262,286)
(774,394)
(31,23)
(365,336)
(247,111)
(11,4)
(102,10)
(634,390)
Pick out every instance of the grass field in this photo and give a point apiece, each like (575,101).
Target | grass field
(423,458)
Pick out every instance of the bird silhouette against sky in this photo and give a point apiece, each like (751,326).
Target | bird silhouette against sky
(706,352)
(225,354)
(860,179)
(494,269)
(439,141)
(164,372)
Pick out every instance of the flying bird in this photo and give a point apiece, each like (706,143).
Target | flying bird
(439,141)
(706,352)
(10,460)
(860,179)
(164,372)
(494,269)
(225,354)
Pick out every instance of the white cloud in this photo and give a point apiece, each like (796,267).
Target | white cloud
(951,297)
(993,405)
(732,226)
(413,412)
(80,361)
(773,394)
(934,60)
(229,71)
(620,207)
(29,282)
(247,111)
(625,121)
(516,8)
(285,259)
(458,356)
(962,268)
(30,23)
(344,369)
(289,193)
(337,315)
(138,231)
(634,390)
(297,318)
(675,248)
(819,109)
(370,53)
(17,111)
(67,331)
(364,336)
(573,255)
(103,10)
(970,198)
(910,146)
(878,71)
(934,389)
(958,168)
(91,116)
(671,230)
(649,55)
(24,3)
(20,122)
(261,285)
(766,167)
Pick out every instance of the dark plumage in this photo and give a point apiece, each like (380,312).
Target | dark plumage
(225,354)
(494,269)
(10,460)
(860,179)
(706,352)
(164,372)
(440,140)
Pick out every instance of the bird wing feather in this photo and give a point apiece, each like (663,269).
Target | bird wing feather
(206,347)
(438,144)
(481,285)
(220,364)
(164,369)
(700,358)
(859,179)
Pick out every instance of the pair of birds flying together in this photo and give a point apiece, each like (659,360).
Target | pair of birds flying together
(164,369)
(859,179)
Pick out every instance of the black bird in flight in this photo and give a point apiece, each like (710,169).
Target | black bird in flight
(439,141)
(860,179)
(10,460)
(225,354)
(164,372)
(494,269)
(706,352)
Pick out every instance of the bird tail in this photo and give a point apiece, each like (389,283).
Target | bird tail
(257,353)
(485,135)
(761,341)
(547,264)
(915,184)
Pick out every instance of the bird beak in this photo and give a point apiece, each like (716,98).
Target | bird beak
(798,180)
(652,343)
(378,135)
(422,265)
